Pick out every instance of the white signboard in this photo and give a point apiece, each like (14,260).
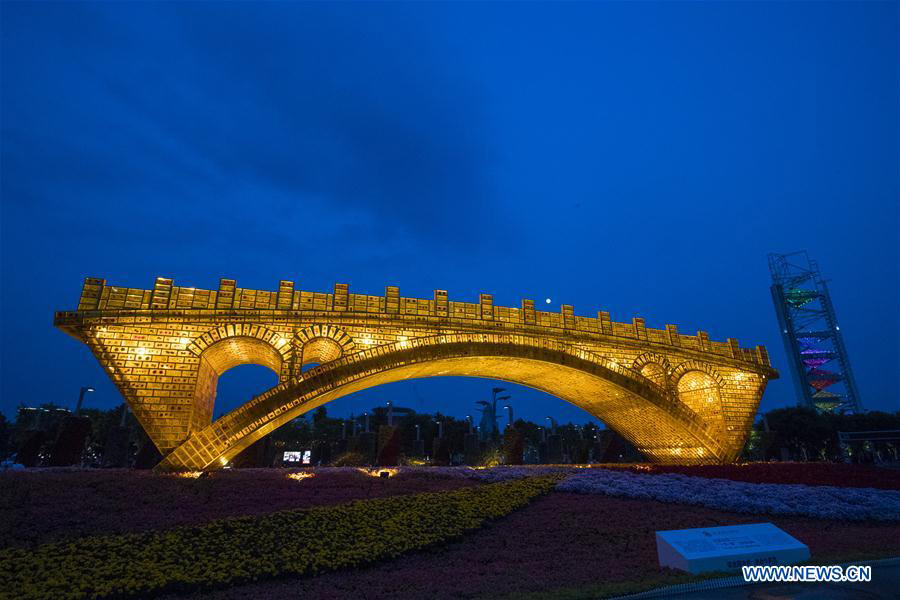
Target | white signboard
(300,457)
(291,456)
(728,548)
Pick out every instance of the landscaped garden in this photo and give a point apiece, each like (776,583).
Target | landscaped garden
(410,532)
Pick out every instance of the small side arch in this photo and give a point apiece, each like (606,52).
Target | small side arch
(695,365)
(654,367)
(244,330)
(319,344)
(226,347)
(648,357)
(699,387)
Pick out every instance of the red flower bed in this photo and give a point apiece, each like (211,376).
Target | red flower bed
(40,506)
(839,475)
(563,542)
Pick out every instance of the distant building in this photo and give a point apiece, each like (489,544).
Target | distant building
(812,336)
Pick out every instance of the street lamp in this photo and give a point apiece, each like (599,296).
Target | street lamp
(510,409)
(469,419)
(81,398)
(440,425)
(494,413)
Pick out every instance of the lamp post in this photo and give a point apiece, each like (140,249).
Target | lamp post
(494,399)
(496,416)
(469,419)
(418,433)
(510,409)
(440,425)
(390,413)
(367,421)
(81,398)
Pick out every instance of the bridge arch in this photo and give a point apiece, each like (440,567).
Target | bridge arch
(654,367)
(226,347)
(654,421)
(695,365)
(320,344)
(700,388)
(650,357)
(246,330)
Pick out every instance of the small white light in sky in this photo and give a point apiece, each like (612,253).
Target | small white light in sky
(548,300)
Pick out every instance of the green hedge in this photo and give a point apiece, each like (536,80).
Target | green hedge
(229,551)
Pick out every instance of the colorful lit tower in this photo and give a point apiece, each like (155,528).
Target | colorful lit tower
(812,336)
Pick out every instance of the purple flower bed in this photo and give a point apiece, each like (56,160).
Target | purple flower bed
(41,505)
(491,474)
(824,502)
(562,542)
(808,473)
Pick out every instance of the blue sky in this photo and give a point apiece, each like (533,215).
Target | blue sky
(639,158)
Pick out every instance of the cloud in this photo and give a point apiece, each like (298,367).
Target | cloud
(265,115)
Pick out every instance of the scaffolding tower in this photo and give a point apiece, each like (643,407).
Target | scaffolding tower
(812,336)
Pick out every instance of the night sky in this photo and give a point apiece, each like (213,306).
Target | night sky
(633,157)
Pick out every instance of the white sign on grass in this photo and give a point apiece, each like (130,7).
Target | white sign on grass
(728,548)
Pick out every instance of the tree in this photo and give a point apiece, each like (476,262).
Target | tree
(809,435)
(5,437)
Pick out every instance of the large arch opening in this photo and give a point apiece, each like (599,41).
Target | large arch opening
(638,410)
(454,400)
(458,397)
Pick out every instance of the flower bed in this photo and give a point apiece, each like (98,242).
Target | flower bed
(562,545)
(495,474)
(810,473)
(758,498)
(229,551)
(40,506)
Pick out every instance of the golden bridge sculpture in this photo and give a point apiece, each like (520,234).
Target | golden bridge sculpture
(680,399)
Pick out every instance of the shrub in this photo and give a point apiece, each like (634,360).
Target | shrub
(230,551)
